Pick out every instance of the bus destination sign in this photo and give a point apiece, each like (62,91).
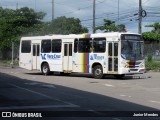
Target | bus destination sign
(130,37)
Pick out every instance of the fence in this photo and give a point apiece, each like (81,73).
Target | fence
(153,48)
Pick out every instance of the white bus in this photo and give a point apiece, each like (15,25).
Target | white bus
(99,54)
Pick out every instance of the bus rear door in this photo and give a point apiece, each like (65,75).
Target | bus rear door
(67,58)
(35,56)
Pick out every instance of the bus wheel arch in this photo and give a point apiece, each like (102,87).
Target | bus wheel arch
(45,68)
(97,70)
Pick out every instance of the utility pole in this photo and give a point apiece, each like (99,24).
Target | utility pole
(52,10)
(118,13)
(35,5)
(94,12)
(16,5)
(140,17)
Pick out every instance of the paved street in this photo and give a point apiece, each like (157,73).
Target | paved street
(23,90)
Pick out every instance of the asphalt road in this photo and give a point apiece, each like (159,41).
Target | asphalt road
(80,95)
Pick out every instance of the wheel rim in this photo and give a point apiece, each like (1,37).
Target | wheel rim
(45,69)
(98,72)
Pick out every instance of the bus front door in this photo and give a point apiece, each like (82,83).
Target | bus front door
(67,58)
(35,56)
(113,57)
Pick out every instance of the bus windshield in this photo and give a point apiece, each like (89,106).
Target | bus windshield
(132,49)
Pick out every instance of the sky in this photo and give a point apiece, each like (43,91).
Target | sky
(123,13)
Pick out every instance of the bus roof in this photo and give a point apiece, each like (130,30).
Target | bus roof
(70,36)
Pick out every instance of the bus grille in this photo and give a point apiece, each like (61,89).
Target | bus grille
(133,64)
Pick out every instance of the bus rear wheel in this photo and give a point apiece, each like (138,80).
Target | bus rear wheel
(45,69)
(98,72)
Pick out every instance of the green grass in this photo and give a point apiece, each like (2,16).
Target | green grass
(154,65)
(8,62)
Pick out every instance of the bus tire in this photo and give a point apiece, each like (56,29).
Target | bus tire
(98,72)
(45,69)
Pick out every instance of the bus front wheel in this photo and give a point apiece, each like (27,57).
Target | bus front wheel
(98,72)
(45,69)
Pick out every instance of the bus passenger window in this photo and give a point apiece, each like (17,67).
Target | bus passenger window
(99,45)
(110,49)
(34,50)
(46,46)
(56,45)
(84,45)
(115,49)
(26,46)
(75,45)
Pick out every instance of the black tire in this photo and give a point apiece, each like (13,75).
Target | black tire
(45,69)
(119,76)
(98,72)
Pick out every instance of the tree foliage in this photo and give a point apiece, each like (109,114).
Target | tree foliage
(151,36)
(63,25)
(156,27)
(15,23)
(26,22)
(154,35)
(110,26)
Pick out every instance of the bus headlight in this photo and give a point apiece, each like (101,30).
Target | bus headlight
(124,64)
(142,65)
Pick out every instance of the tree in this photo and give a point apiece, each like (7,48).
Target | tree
(15,23)
(154,35)
(156,27)
(63,25)
(109,26)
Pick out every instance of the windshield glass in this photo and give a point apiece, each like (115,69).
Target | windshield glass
(132,49)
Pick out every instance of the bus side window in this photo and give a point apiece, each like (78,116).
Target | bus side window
(99,45)
(75,45)
(26,46)
(56,45)
(46,46)
(84,45)
(110,49)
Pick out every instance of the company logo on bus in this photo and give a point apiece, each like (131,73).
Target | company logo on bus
(96,57)
(50,57)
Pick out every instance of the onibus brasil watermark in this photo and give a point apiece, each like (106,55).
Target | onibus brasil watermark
(22,115)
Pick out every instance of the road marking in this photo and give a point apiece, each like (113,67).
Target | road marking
(155,101)
(46,96)
(37,107)
(31,83)
(34,77)
(98,113)
(108,85)
(44,85)
(125,96)
(49,86)
(116,119)
(32,91)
